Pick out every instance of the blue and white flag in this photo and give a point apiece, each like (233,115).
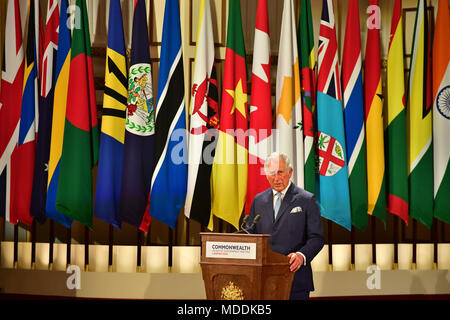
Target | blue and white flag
(169,181)
(333,197)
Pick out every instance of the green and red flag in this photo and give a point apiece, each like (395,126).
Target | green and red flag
(395,132)
(81,135)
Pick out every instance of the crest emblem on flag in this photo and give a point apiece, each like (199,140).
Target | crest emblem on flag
(443,102)
(140,111)
(330,155)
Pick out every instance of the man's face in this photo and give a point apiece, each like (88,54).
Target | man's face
(277,174)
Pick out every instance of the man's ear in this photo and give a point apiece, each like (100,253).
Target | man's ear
(290,173)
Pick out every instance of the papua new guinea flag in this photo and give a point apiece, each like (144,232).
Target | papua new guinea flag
(139,125)
(109,176)
(169,181)
(81,136)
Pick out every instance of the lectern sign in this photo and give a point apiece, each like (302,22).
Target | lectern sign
(230,250)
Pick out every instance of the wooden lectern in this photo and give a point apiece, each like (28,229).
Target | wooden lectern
(243,267)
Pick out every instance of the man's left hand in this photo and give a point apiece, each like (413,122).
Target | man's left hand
(295,261)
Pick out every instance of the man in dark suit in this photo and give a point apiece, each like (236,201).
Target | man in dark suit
(292,217)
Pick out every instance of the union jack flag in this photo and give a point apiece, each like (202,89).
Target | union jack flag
(328,80)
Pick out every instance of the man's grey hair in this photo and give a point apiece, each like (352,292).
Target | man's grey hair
(278,155)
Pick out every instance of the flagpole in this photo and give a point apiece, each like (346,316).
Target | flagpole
(110,248)
(352,248)
(396,231)
(414,241)
(69,244)
(170,247)
(139,263)
(434,240)
(16,239)
(86,248)
(330,244)
(374,240)
(50,247)
(33,245)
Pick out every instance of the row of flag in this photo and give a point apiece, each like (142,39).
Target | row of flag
(358,157)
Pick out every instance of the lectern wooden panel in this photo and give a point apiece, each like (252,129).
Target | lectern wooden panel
(243,267)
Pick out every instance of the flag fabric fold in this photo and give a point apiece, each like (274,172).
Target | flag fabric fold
(139,127)
(47,76)
(169,181)
(353,97)
(204,121)
(229,171)
(109,174)
(260,125)
(441,113)
(289,138)
(81,137)
(376,184)
(61,84)
(419,122)
(395,133)
(333,195)
(305,43)
(10,109)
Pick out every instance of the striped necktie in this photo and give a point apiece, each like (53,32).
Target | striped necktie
(277,204)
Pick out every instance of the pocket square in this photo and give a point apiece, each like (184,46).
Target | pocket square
(296,210)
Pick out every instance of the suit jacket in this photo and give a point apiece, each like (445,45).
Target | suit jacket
(297,228)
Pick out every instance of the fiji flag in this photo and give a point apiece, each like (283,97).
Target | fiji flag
(333,194)
(139,125)
(107,196)
(169,182)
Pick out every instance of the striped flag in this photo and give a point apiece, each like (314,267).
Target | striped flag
(169,181)
(376,185)
(333,195)
(109,176)
(204,116)
(305,39)
(81,137)
(419,127)
(289,139)
(395,133)
(47,76)
(61,85)
(441,113)
(139,126)
(355,139)
(259,143)
(10,105)
(229,171)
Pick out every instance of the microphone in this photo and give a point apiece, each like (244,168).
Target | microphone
(244,222)
(255,221)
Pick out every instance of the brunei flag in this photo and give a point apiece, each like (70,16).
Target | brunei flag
(28,123)
(376,197)
(204,121)
(59,117)
(333,195)
(259,144)
(419,126)
(109,176)
(81,137)
(229,171)
(305,40)
(355,138)
(395,133)
(441,113)
(289,138)
(169,181)
(139,127)
(10,107)
(48,65)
